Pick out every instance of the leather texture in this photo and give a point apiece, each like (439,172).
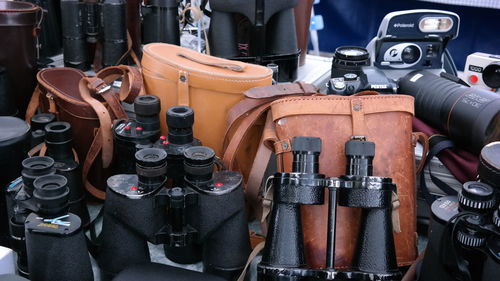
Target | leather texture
(209,85)
(90,105)
(383,119)
(19,23)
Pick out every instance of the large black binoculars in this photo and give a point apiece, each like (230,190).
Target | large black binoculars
(464,234)
(204,218)
(91,21)
(269,36)
(374,259)
(160,22)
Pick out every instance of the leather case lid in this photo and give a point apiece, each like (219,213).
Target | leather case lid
(163,61)
(16,13)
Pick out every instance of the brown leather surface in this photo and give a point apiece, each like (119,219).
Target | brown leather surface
(302,21)
(211,91)
(387,122)
(18,23)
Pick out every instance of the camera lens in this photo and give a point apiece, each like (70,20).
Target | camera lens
(470,116)
(51,194)
(198,163)
(491,75)
(39,121)
(58,132)
(410,54)
(349,59)
(476,196)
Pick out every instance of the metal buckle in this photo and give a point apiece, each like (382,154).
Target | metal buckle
(102,88)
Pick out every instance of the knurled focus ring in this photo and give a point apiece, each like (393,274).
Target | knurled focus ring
(470,241)
(478,205)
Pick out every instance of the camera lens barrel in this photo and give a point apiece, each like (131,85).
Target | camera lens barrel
(147,109)
(349,59)
(151,167)
(180,120)
(199,163)
(51,194)
(470,116)
(489,164)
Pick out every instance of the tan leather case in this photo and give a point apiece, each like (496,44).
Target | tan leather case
(209,85)
(383,119)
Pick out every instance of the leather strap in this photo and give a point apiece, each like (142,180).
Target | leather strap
(106,141)
(33,104)
(424,141)
(251,257)
(183,88)
(90,158)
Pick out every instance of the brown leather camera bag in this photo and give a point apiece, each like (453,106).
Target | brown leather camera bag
(383,119)
(90,105)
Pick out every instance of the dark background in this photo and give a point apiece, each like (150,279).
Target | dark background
(356,22)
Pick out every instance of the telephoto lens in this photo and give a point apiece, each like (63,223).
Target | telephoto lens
(132,135)
(180,120)
(456,232)
(470,116)
(375,250)
(349,59)
(38,123)
(59,143)
(14,139)
(73,34)
(20,203)
(133,213)
(161,22)
(114,31)
(220,216)
(55,242)
(7,103)
(283,255)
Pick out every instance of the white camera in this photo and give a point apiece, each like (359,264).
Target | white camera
(483,70)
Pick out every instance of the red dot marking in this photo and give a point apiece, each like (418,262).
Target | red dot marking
(165,143)
(134,188)
(127,128)
(219,184)
(473,79)
(163,138)
(138,129)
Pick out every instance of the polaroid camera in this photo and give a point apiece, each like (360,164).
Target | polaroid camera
(413,40)
(483,71)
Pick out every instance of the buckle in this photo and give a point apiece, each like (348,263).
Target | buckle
(102,88)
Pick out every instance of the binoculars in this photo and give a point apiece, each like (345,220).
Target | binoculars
(464,235)
(268,38)
(91,21)
(374,259)
(206,217)
(38,123)
(160,19)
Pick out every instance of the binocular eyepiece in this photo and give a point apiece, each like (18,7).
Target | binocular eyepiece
(51,195)
(199,163)
(35,167)
(146,110)
(180,120)
(151,167)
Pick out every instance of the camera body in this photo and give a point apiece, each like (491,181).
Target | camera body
(370,78)
(483,71)
(209,211)
(413,39)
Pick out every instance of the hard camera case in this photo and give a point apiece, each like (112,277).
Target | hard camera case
(209,85)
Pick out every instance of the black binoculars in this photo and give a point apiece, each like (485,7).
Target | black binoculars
(38,123)
(374,259)
(204,218)
(134,134)
(464,235)
(55,242)
(268,36)
(160,22)
(91,21)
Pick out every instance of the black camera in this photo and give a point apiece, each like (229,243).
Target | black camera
(260,32)
(87,22)
(470,116)
(464,234)
(134,134)
(55,242)
(180,120)
(209,211)
(413,39)
(374,258)
(352,73)
(161,22)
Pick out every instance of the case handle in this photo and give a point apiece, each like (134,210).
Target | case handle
(230,66)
